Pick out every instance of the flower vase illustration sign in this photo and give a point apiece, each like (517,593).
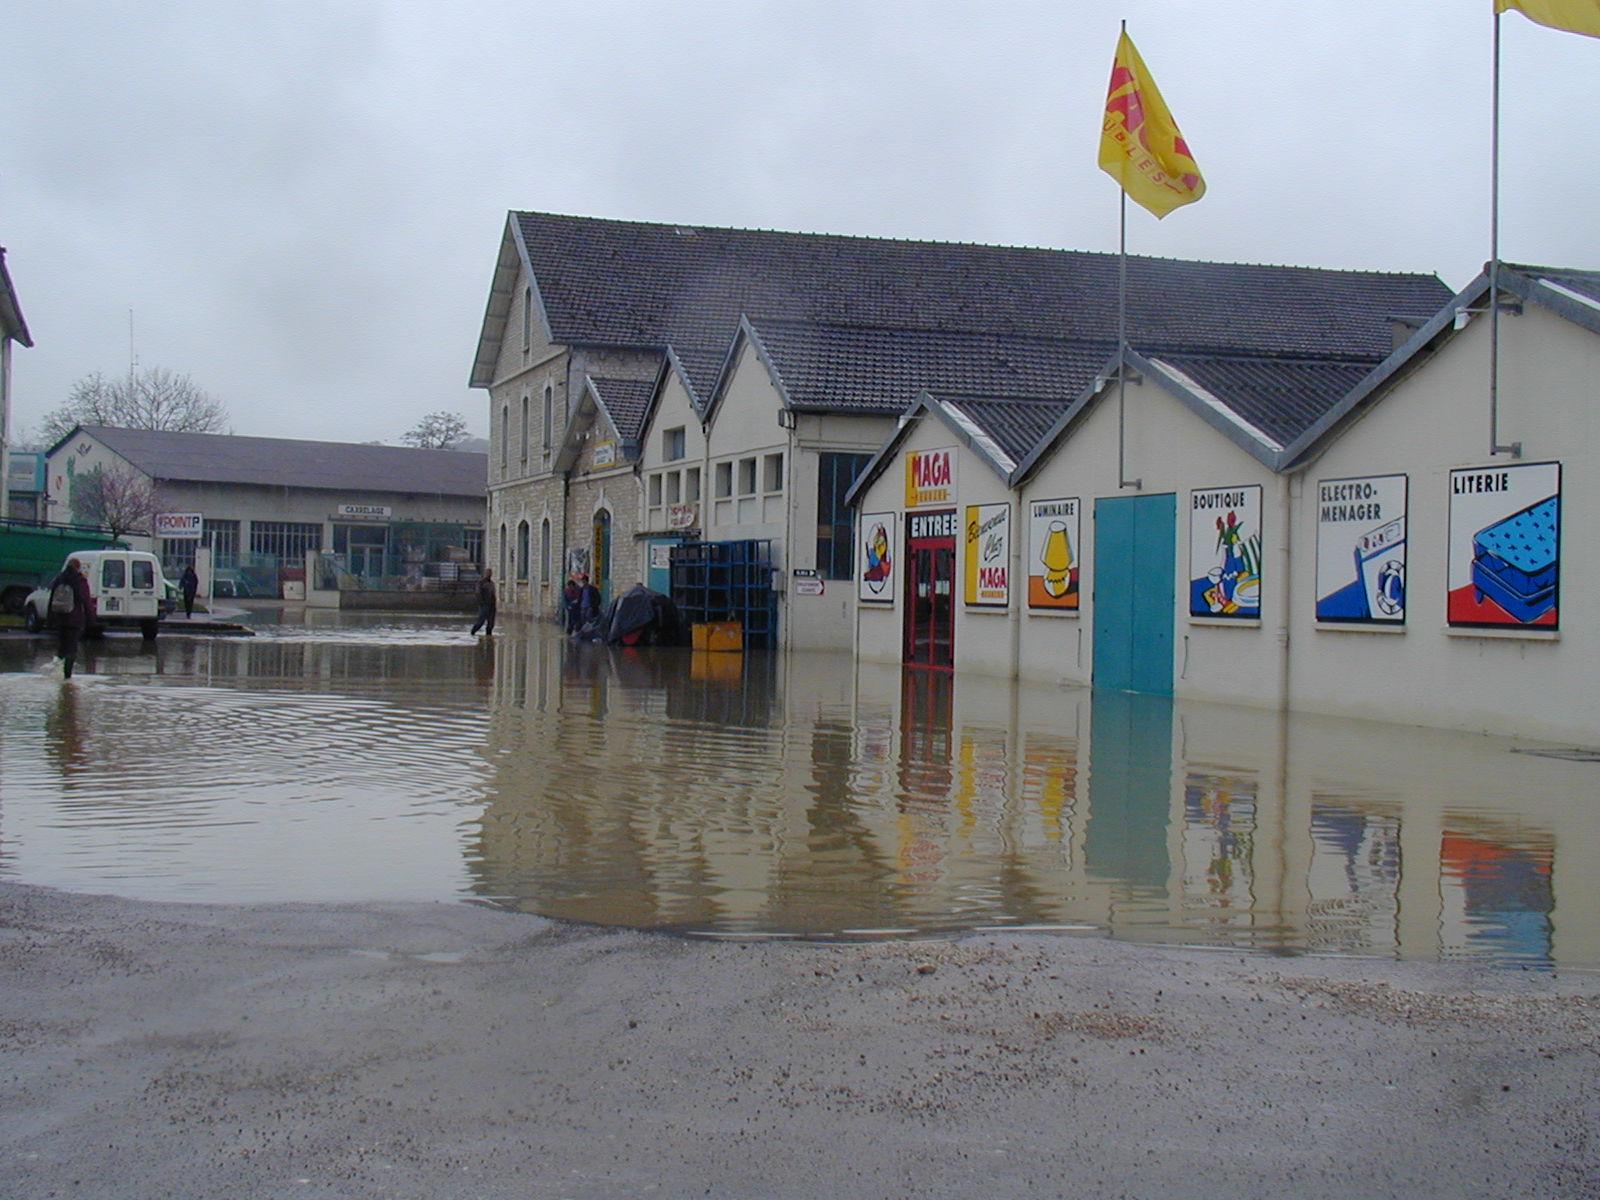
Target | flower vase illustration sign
(1361,550)
(988,555)
(1053,555)
(1505,546)
(875,578)
(1225,553)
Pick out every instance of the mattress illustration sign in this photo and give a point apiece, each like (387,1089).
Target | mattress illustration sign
(1225,553)
(1361,550)
(1505,546)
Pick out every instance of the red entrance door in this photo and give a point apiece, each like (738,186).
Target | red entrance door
(930,629)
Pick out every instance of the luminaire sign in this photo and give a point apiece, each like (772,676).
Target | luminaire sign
(177,527)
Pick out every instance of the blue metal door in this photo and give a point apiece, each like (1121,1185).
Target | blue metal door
(1135,571)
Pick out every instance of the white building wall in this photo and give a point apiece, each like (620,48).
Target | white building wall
(674,410)
(1525,682)
(1169,449)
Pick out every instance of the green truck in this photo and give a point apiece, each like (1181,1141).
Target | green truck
(31,554)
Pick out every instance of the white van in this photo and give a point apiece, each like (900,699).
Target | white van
(126,591)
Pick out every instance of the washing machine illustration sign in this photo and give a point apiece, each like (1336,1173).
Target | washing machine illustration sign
(1505,546)
(1361,550)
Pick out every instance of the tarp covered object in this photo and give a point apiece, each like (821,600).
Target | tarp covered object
(638,617)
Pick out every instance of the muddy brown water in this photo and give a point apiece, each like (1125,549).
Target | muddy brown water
(353,758)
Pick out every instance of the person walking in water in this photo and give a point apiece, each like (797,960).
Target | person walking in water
(487,602)
(571,602)
(190,584)
(69,612)
(588,601)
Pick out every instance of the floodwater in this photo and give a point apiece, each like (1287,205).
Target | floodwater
(348,758)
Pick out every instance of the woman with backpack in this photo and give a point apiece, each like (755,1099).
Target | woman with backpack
(69,612)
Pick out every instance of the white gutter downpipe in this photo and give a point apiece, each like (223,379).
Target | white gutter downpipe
(1285,565)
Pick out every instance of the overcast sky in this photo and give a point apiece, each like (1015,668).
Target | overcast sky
(301,203)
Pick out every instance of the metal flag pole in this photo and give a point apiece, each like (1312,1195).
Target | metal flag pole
(1122,335)
(1515,448)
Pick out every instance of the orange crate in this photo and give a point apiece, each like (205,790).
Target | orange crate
(717,635)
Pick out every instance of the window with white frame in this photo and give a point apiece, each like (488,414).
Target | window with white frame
(772,474)
(674,487)
(691,486)
(673,444)
(747,477)
(723,481)
(654,491)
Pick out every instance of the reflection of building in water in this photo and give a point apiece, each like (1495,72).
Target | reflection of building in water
(872,801)
(1497,896)
(1353,879)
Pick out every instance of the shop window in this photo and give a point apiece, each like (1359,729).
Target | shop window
(673,444)
(176,554)
(522,552)
(472,542)
(772,474)
(724,481)
(287,541)
(691,486)
(747,477)
(835,529)
(223,538)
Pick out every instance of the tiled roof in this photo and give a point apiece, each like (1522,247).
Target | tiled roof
(841,368)
(1280,397)
(628,401)
(282,462)
(637,284)
(1013,424)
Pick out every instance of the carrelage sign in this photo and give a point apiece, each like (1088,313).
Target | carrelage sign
(1505,546)
(1225,552)
(930,477)
(1053,555)
(875,583)
(987,566)
(1361,550)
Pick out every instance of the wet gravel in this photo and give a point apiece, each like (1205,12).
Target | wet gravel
(447,1050)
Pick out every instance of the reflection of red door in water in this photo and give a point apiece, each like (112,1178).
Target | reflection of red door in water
(930,611)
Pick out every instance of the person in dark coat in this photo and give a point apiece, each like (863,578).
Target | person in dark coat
(571,604)
(189,584)
(70,625)
(488,601)
(588,601)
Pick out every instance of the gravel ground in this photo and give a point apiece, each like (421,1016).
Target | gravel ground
(451,1050)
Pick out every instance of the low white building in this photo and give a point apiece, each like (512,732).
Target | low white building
(1312,533)
(389,515)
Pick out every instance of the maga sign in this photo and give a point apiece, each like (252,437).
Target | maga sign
(988,561)
(930,477)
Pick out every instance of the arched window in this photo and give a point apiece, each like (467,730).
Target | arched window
(544,551)
(505,436)
(504,544)
(527,319)
(549,414)
(522,552)
(524,429)
(600,572)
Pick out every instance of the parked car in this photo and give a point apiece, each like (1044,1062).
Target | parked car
(126,590)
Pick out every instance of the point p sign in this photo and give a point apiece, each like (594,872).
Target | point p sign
(178,526)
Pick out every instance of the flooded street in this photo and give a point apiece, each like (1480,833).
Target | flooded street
(350,759)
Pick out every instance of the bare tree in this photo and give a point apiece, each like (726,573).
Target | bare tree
(437,431)
(117,499)
(149,398)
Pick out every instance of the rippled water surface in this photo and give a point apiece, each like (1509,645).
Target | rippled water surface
(346,758)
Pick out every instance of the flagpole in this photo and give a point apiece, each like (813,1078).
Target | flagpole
(1122,335)
(1515,448)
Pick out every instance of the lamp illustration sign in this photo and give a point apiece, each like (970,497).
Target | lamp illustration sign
(1053,555)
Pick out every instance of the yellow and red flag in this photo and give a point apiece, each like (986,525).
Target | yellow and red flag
(1140,144)
(1575,16)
